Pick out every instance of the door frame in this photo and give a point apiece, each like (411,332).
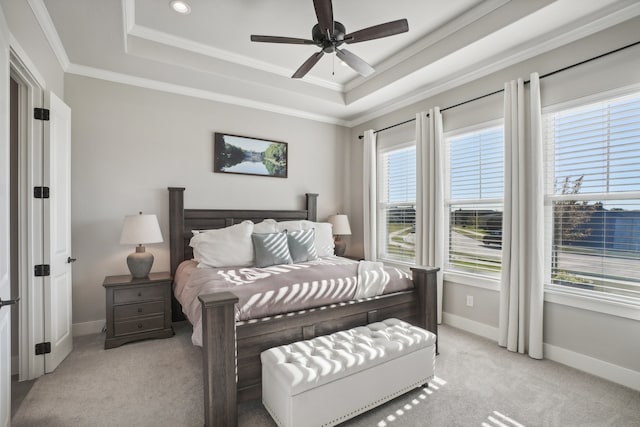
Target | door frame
(30,214)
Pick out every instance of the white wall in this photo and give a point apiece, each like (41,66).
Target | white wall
(130,144)
(577,332)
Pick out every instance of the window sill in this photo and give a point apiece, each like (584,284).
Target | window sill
(613,306)
(472,280)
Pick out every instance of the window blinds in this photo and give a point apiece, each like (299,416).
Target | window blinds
(398,204)
(476,186)
(593,196)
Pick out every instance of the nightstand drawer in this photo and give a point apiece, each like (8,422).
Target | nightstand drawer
(138,325)
(121,312)
(139,293)
(137,309)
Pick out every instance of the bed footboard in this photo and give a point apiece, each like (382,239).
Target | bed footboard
(231,351)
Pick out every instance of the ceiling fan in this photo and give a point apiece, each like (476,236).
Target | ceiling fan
(328,35)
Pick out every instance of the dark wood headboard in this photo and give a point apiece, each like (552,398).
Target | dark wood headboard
(182,221)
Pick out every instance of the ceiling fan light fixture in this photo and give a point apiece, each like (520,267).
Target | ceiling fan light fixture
(180,6)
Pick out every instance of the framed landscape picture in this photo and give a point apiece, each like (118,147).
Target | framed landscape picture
(249,156)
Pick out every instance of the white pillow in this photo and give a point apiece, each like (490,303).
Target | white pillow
(266,226)
(225,247)
(324,234)
(324,238)
(294,225)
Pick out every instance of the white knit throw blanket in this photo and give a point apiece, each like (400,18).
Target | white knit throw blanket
(372,279)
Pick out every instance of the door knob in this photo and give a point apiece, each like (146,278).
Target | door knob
(70,260)
(8,302)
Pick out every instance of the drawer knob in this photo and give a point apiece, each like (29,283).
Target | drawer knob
(139,310)
(139,294)
(139,325)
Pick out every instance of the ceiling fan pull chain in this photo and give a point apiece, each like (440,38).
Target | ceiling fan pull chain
(333,71)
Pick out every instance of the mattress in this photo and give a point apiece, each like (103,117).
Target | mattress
(277,289)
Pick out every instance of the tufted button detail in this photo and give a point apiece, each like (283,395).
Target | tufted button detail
(306,364)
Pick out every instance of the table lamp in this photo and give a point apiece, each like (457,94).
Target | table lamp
(341,228)
(140,230)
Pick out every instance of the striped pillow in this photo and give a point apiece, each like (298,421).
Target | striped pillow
(271,249)
(302,245)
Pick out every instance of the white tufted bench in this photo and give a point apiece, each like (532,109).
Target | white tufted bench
(329,379)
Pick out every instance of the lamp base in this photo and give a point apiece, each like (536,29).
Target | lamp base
(340,246)
(140,262)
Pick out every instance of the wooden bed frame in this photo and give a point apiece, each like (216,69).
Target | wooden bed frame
(231,350)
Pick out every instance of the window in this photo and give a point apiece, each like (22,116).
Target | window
(592,197)
(474,201)
(397,204)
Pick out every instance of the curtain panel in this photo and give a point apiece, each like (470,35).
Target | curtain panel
(370,195)
(430,194)
(522,287)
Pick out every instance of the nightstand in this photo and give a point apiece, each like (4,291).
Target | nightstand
(138,308)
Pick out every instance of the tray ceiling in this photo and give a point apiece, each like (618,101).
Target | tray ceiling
(208,53)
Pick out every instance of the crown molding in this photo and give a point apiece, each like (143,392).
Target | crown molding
(128,21)
(127,79)
(161,37)
(537,47)
(432,38)
(44,19)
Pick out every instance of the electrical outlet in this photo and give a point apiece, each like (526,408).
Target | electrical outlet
(469,300)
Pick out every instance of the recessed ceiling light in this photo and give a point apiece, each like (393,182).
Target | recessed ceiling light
(180,6)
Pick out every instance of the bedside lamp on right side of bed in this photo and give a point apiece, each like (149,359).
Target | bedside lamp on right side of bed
(341,228)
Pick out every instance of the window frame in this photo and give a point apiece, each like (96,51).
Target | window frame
(597,301)
(486,279)
(381,206)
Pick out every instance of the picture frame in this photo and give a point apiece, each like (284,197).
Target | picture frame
(244,155)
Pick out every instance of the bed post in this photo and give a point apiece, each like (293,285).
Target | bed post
(312,207)
(219,359)
(425,280)
(176,227)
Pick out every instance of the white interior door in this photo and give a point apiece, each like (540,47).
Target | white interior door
(57,231)
(5,282)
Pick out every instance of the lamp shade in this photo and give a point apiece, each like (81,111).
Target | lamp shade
(140,229)
(340,224)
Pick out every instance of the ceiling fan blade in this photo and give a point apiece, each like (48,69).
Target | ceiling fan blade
(276,39)
(378,31)
(324,13)
(355,62)
(308,64)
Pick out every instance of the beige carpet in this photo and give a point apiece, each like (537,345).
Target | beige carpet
(158,383)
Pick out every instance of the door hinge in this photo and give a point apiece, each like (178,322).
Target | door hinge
(41,114)
(42,270)
(41,192)
(43,348)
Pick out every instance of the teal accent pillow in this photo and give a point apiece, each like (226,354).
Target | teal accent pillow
(302,245)
(271,249)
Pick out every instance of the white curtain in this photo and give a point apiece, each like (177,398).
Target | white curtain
(430,194)
(369,181)
(522,289)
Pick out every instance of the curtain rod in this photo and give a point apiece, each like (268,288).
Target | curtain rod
(551,73)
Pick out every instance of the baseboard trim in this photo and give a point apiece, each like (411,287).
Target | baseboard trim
(593,366)
(472,326)
(88,328)
(599,368)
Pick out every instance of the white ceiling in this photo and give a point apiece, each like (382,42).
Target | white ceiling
(208,53)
